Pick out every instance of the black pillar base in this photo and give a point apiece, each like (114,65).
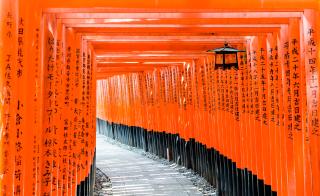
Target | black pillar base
(218,169)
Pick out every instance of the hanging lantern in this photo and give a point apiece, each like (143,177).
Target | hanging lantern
(226,57)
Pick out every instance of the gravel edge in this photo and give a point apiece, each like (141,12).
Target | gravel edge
(103,184)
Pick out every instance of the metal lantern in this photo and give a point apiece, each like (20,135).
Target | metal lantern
(226,57)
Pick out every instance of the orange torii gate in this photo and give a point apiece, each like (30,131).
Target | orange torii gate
(259,124)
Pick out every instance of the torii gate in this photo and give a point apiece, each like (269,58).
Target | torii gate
(53,51)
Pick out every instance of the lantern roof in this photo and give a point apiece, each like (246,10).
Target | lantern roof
(225,49)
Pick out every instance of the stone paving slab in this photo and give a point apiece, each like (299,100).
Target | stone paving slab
(134,174)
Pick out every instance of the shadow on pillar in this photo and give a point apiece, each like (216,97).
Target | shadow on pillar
(86,187)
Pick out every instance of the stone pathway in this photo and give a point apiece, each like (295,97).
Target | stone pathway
(133,174)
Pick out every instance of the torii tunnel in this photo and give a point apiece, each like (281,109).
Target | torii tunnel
(139,72)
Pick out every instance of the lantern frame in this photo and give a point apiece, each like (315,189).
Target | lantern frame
(226,50)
